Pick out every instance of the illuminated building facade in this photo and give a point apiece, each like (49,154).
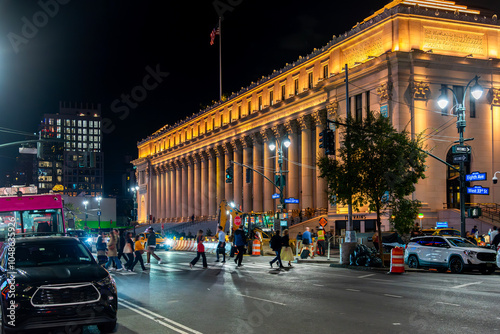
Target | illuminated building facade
(73,164)
(398,59)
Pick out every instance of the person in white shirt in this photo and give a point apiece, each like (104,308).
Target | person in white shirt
(221,247)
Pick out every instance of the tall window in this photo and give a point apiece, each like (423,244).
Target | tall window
(239,112)
(249,108)
(359,107)
(310,79)
(472,107)
(296,86)
(368,101)
(271,98)
(283,91)
(260,102)
(325,71)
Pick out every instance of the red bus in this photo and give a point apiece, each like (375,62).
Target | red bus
(31,215)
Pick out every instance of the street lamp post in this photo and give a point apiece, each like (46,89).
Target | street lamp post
(476,92)
(99,198)
(85,203)
(281,184)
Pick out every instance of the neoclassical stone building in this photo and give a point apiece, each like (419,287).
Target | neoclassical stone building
(399,60)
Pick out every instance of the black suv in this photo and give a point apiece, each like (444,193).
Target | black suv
(51,282)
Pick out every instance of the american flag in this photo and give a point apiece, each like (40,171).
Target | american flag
(214,32)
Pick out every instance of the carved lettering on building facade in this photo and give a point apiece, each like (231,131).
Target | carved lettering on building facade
(453,40)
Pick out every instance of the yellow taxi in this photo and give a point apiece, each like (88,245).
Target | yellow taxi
(441,231)
(160,240)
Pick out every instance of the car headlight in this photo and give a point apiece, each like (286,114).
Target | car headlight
(470,253)
(89,240)
(106,281)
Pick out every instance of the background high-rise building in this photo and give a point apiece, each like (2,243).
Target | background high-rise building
(72,163)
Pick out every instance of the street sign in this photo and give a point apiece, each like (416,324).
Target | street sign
(98,213)
(283,223)
(441,224)
(291,200)
(280,206)
(478,190)
(462,157)
(237,221)
(457,149)
(275,196)
(323,221)
(384,110)
(475,176)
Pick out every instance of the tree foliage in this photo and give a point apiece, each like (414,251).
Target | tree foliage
(374,158)
(404,213)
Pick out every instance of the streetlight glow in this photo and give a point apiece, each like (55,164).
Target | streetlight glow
(272,146)
(286,142)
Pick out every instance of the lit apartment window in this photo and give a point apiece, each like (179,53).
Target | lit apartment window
(58,121)
(271,98)
(79,138)
(58,129)
(51,121)
(325,71)
(310,79)
(283,91)
(84,123)
(68,122)
(296,86)
(79,123)
(73,122)
(79,131)
(84,138)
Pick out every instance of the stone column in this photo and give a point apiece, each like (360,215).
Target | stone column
(197,184)
(160,178)
(307,161)
(212,182)
(228,156)
(321,188)
(184,166)
(269,166)
(257,178)
(190,187)
(178,188)
(220,174)
(154,190)
(204,183)
(247,187)
(292,128)
(173,187)
(238,173)
(166,193)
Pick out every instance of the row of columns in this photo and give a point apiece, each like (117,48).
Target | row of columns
(195,184)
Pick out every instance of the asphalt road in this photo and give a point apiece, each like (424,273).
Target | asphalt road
(308,298)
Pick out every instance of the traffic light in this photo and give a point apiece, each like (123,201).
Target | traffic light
(327,141)
(280,181)
(229,174)
(249,175)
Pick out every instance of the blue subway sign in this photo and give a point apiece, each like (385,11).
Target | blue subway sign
(478,190)
(475,176)
(291,200)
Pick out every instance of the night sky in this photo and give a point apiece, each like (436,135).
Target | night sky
(95,51)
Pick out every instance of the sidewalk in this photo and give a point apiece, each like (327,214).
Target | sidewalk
(334,261)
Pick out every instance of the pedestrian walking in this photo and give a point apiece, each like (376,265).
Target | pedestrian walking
(240,241)
(128,251)
(114,239)
(200,251)
(306,241)
(286,250)
(121,245)
(152,246)
(138,251)
(221,246)
(276,247)
(100,246)
(493,235)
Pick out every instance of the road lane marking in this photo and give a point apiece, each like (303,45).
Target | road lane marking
(264,300)
(447,304)
(393,296)
(464,285)
(365,276)
(354,290)
(156,317)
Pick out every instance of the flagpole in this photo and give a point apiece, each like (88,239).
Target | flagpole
(220,59)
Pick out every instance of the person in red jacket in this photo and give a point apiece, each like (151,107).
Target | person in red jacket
(200,251)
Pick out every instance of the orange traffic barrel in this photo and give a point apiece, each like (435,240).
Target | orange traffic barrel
(397,261)
(256,248)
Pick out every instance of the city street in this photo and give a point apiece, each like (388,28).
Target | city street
(308,298)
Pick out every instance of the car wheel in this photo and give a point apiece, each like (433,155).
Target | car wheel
(413,262)
(107,327)
(456,265)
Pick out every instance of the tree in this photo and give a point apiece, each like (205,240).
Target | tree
(374,158)
(404,213)
(71,212)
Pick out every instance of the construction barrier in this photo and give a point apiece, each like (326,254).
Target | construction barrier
(256,248)
(397,261)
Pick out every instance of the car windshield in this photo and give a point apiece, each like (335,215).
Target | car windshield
(450,232)
(459,242)
(49,254)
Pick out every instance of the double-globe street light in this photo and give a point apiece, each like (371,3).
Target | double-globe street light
(476,92)
(280,180)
